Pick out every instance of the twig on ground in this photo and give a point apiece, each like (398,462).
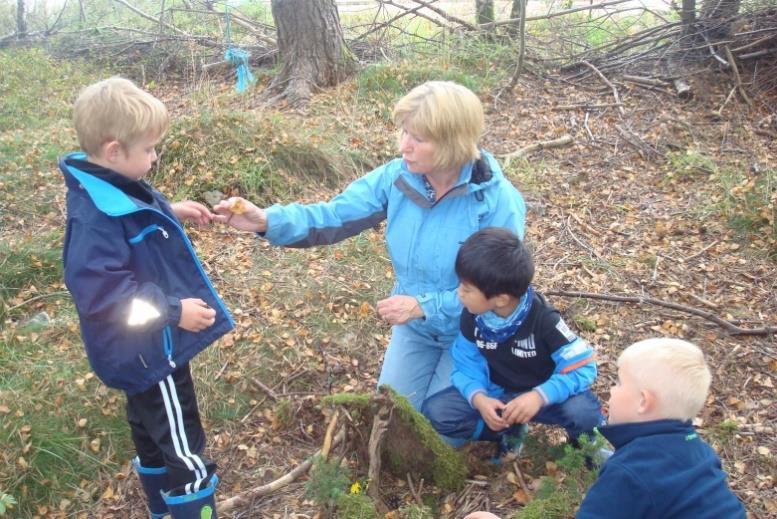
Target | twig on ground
(330,430)
(521,481)
(609,84)
(584,106)
(267,390)
(705,249)
(726,325)
(41,296)
(555,143)
(737,77)
(416,493)
(246,497)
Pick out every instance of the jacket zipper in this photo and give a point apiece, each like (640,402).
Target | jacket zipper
(167,342)
(146,231)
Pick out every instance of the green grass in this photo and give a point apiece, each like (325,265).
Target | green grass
(29,78)
(49,452)
(35,262)
(384,84)
(747,200)
(261,158)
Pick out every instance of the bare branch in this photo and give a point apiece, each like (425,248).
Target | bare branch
(727,325)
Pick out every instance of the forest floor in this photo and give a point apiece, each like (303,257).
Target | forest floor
(607,216)
(643,203)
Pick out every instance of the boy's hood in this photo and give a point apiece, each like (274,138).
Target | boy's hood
(106,197)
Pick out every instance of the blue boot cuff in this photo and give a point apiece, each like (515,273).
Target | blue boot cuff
(147,470)
(187,498)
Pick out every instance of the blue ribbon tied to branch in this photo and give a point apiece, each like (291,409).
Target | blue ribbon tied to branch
(239,59)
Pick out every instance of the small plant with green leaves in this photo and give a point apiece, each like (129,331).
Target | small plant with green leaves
(688,164)
(6,503)
(557,498)
(329,480)
(416,511)
(585,323)
(723,432)
(355,506)
(750,202)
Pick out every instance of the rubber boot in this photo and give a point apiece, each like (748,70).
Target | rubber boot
(200,505)
(154,482)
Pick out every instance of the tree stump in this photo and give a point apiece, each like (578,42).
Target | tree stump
(401,440)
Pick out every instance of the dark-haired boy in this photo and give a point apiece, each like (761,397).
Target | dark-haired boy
(515,360)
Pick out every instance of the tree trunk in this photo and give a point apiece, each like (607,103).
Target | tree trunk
(312,50)
(688,16)
(21,20)
(515,14)
(717,17)
(484,10)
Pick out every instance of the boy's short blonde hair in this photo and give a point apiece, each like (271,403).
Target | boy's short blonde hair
(448,114)
(674,371)
(116,109)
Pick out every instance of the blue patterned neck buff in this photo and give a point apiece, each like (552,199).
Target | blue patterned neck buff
(495,328)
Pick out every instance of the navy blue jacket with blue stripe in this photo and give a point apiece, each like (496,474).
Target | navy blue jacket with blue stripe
(119,248)
(660,470)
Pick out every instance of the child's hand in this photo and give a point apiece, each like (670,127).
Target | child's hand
(482,515)
(241,214)
(489,409)
(196,315)
(191,211)
(522,408)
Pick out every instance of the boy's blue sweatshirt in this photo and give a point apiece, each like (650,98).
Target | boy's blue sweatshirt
(660,470)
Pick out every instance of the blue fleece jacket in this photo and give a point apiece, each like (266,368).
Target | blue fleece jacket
(423,237)
(660,470)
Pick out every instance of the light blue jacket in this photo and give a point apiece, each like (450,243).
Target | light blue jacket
(422,237)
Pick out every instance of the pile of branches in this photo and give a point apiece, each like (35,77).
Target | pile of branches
(154,40)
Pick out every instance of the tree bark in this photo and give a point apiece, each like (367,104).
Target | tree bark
(21,20)
(688,16)
(484,10)
(312,50)
(717,17)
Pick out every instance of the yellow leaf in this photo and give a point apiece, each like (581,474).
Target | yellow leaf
(108,494)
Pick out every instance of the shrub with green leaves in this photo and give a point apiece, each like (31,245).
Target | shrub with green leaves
(387,83)
(6,502)
(558,498)
(329,479)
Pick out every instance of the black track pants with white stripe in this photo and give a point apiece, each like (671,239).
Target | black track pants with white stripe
(167,432)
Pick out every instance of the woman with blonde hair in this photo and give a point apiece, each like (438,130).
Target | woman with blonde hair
(442,190)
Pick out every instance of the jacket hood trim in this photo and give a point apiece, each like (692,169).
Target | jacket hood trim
(474,177)
(106,197)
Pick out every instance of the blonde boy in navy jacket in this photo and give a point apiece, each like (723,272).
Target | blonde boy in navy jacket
(145,304)
(661,468)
